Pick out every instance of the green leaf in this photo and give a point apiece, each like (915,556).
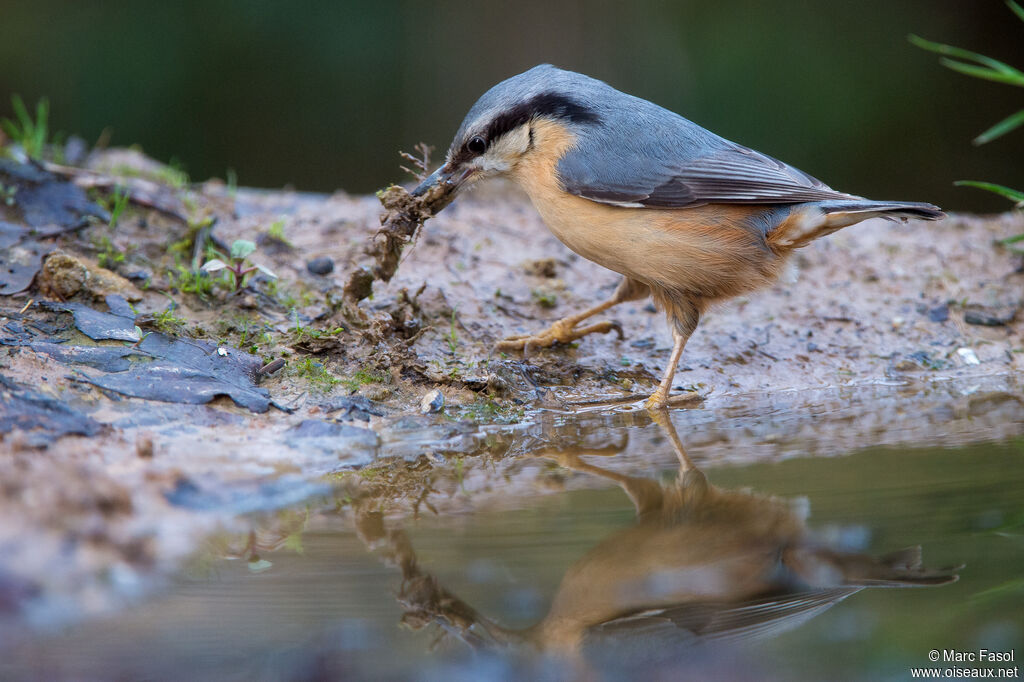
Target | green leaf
(1009,123)
(1003,191)
(22,113)
(242,248)
(214,265)
(1011,77)
(960,53)
(265,271)
(1016,9)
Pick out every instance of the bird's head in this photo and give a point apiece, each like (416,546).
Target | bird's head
(499,131)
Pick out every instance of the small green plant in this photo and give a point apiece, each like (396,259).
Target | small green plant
(239,267)
(108,255)
(364,376)
(189,281)
(166,322)
(979,66)
(117,203)
(317,374)
(276,232)
(545,299)
(30,133)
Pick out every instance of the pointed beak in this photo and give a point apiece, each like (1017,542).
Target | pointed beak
(450,180)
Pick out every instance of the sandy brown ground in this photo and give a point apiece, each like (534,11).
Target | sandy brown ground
(854,352)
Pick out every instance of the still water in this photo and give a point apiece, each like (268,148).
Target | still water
(853,566)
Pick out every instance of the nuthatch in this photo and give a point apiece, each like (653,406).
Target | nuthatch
(684,215)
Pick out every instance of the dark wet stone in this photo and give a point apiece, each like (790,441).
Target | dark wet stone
(106,358)
(46,200)
(354,407)
(44,419)
(643,343)
(989,317)
(939,313)
(190,371)
(19,264)
(97,325)
(355,445)
(321,266)
(15,333)
(11,234)
(245,497)
(138,275)
(180,371)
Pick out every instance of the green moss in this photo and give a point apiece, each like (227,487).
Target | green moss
(365,376)
(316,374)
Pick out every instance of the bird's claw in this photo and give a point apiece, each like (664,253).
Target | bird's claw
(661,399)
(562,331)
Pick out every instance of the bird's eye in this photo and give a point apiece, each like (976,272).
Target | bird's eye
(477,145)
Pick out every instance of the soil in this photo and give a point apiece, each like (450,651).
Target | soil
(893,330)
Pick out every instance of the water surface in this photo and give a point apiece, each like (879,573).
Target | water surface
(802,568)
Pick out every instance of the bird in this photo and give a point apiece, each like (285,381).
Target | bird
(699,564)
(684,215)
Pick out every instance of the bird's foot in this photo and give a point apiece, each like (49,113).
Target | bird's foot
(562,331)
(661,399)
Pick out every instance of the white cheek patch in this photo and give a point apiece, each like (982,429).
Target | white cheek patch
(504,152)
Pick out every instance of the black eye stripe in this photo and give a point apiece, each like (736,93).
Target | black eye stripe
(545,104)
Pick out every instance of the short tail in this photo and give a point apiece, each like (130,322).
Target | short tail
(807,222)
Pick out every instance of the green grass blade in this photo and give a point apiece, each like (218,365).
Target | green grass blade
(1011,122)
(40,130)
(960,53)
(1011,77)
(22,114)
(1003,191)
(1016,9)
(10,129)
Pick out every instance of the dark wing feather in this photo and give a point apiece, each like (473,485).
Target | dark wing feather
(644,155)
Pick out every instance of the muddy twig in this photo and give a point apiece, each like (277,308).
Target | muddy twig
(404,217)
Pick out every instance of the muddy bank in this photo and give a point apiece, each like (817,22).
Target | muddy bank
(891,334)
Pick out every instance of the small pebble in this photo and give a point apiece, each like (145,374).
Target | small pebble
(939,314)
(321,266)
(987,317)
(968,356)
(222,351)
(433,401)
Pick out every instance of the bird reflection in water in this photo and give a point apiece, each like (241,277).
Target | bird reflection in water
(699,564)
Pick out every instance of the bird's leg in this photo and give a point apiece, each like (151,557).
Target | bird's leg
(645,493)
(565,331)
(684,317)
(661,418)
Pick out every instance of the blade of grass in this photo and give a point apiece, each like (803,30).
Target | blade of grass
(1011,122)
(1016,9)
(960,53)
(22,113)
(1001,190)
(40,129)
(1014,78)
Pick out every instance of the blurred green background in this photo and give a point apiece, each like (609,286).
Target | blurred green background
(321,95)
